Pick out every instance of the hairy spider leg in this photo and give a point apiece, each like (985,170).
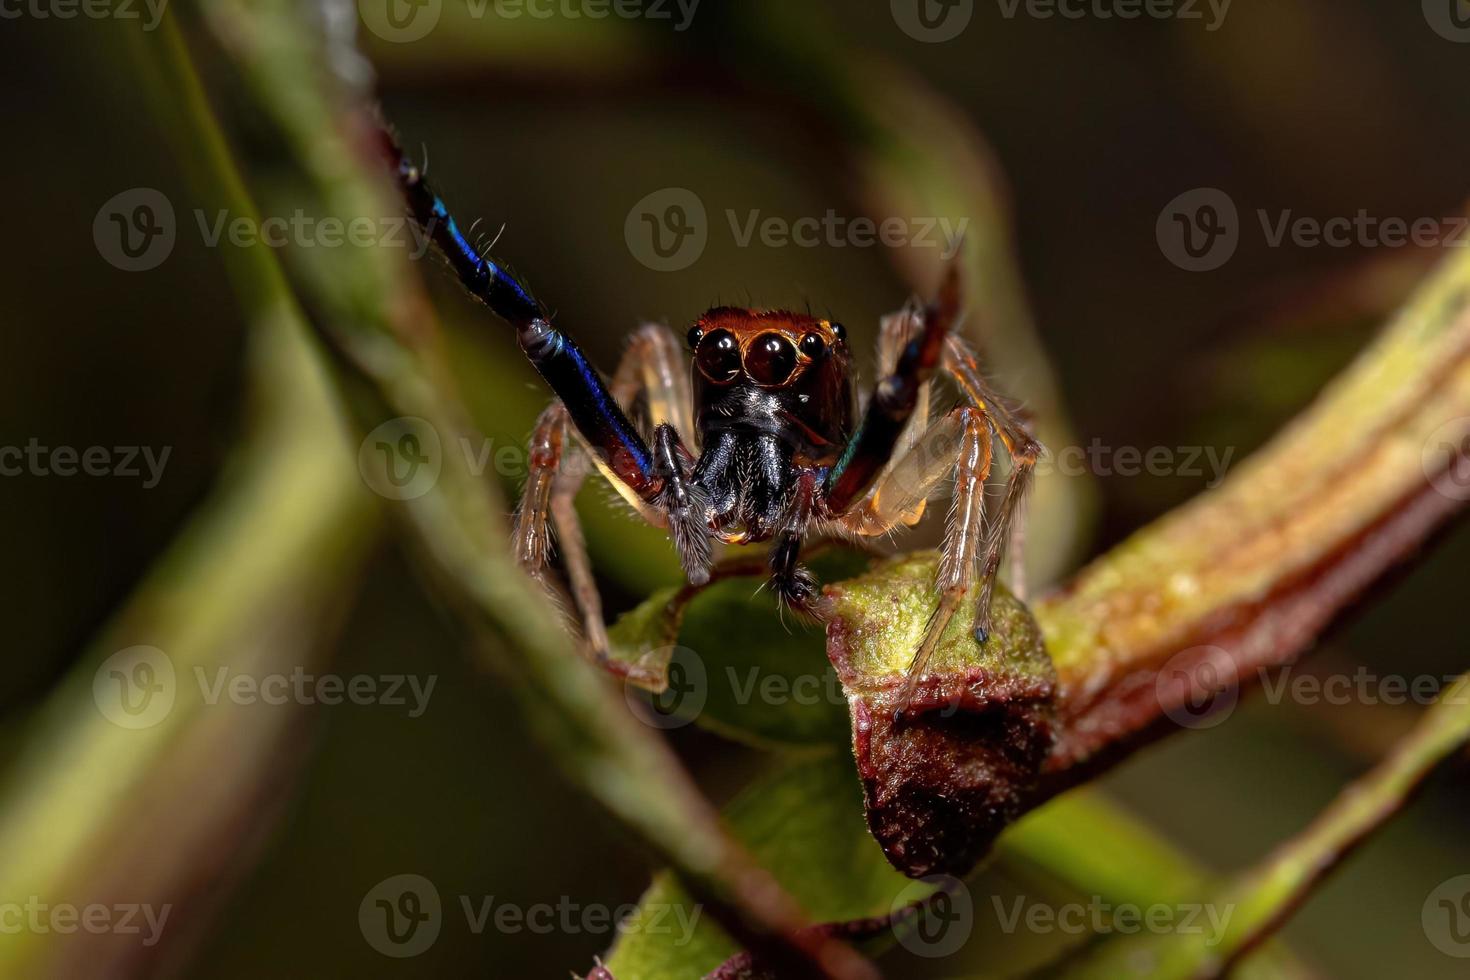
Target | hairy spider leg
(892,405)
(960,442)
(650,367)
(1008,527)
(617,448)
(547,503)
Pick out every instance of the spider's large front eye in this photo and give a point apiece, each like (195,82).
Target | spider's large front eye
(771,359)
(718,356)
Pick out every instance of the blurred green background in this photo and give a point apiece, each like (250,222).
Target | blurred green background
(557,128)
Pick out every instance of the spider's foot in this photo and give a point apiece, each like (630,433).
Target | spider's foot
(691,536)
(949,601)
(800,591)
(982,633)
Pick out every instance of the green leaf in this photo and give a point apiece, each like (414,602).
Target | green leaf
(804,822)
(744,668)
(1253,905)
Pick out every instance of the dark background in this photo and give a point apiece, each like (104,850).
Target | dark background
(1322,108)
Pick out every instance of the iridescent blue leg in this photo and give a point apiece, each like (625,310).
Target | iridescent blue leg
(619,450)
(873,442)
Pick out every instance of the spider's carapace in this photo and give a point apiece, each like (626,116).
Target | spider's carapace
(773,399)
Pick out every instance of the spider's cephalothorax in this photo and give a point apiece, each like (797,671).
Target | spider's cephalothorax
(772,401)
(782,452)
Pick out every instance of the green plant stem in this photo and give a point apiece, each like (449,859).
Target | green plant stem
(86,802)
(388,356)
(1264,898)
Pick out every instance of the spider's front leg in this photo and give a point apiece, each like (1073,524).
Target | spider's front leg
(650,367)
(646,479)
(1014,432)
(549,502)
(958,443)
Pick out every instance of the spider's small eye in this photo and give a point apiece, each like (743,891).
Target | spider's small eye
(771,359)
(839,331)
(696,334)
(718,356)
(812,345)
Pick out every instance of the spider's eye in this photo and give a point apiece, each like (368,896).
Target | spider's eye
(771,359)
(839,331)
(718,356)
(696,334)
(812,345)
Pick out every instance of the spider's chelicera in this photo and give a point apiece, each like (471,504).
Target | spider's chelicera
(780,451)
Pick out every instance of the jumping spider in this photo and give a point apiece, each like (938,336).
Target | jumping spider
(782,452)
